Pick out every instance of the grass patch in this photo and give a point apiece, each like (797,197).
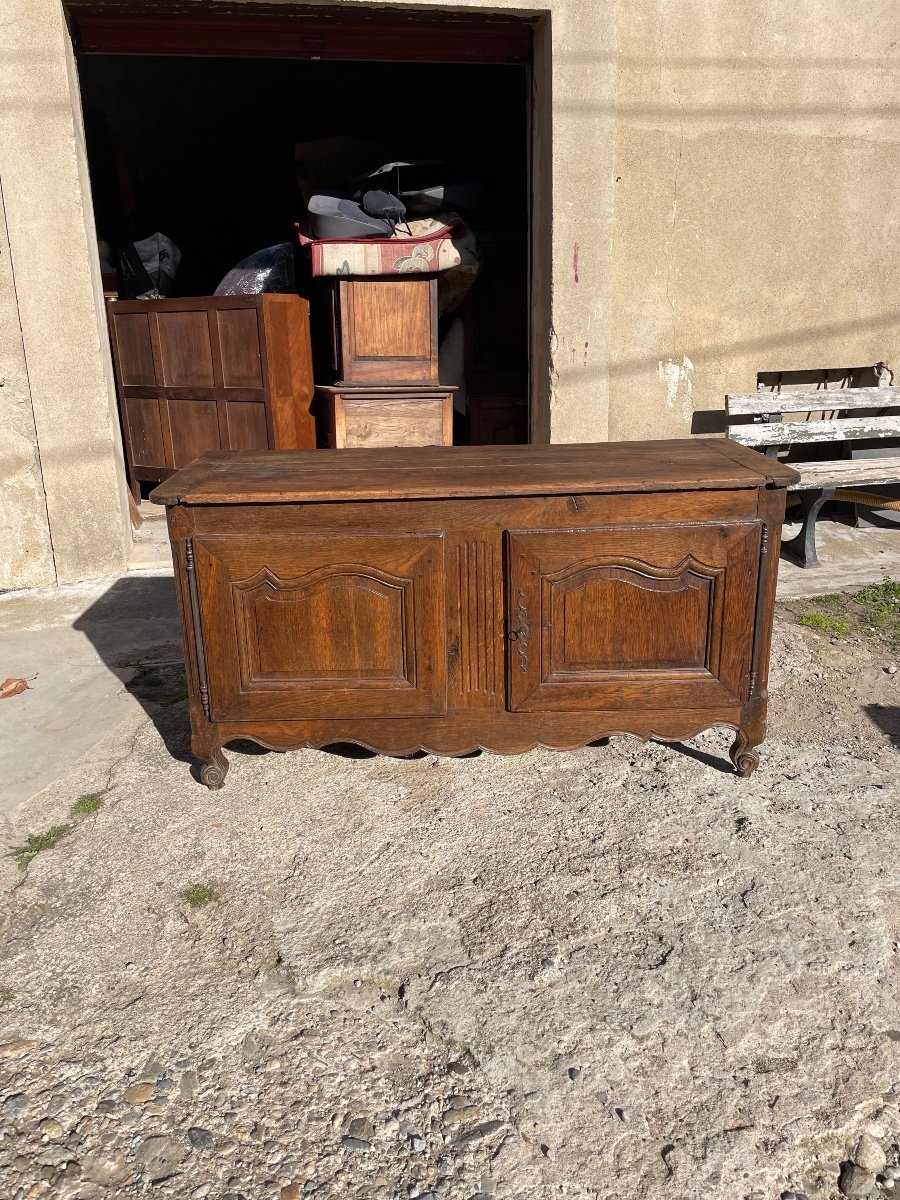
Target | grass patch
(880,603)
(86,806)
(37,842)
(872,613)
(825,624)
(197,895)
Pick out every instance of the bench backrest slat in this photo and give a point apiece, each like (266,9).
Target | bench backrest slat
(794,433)
(759,403)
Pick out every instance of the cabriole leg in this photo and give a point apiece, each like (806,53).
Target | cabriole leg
(742,754)
(205,746)
(214,772)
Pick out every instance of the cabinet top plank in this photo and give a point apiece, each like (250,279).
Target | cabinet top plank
(303,476)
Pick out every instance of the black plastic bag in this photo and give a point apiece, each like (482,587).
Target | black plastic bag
(269,270)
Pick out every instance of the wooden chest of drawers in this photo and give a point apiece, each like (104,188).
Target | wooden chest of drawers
(501,597)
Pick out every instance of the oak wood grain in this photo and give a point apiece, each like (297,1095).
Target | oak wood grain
(652,615)
(193,426)
(143,431)
(386,329)
(450,471)
(313,625)
(286,352)
(499,732)
(388,417)
(494,512)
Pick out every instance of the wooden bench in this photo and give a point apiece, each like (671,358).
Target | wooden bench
(822,481)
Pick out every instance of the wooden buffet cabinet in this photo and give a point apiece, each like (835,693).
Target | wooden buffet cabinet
(210,372)
(449,598)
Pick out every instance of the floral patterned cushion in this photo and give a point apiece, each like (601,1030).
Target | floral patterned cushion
(427,244)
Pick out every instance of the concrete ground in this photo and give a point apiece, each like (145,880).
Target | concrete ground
(150,551)
(85,643)
(617,974)
(849,557)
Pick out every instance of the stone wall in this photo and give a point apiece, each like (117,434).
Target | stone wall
(83,509)
(25,550)
(756,200)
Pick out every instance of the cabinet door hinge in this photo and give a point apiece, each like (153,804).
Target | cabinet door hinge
(191,569)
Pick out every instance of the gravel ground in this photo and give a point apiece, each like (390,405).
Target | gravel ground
(619,973)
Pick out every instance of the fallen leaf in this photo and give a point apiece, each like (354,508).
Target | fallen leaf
(12,687)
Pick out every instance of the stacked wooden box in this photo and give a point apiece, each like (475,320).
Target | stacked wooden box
(383,336)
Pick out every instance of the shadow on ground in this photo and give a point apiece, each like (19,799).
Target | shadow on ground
(701,756)
(134,629)
(887,718)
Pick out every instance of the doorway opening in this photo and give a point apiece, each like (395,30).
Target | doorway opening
(191,128)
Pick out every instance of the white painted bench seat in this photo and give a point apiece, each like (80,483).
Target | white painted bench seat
(843,415)
(850,472)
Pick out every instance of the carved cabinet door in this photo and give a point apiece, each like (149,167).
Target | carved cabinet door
(631,617)
(322,626)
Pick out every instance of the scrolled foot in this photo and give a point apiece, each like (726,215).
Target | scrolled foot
(744,757)
(213,774)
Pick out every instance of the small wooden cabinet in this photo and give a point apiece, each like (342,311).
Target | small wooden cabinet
(384,330)
(207,373)
(501,597)
(381,348)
